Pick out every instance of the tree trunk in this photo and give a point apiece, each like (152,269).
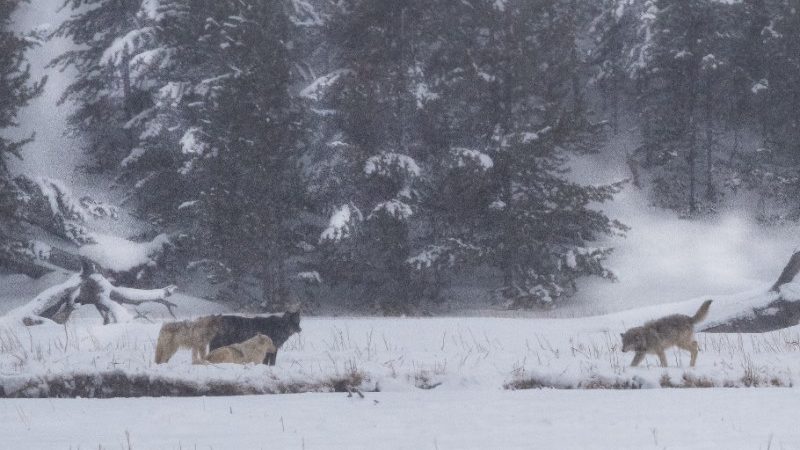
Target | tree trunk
(777,314)
(788,273)
(692,158)
(710,191)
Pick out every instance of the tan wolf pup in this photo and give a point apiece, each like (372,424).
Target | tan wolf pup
(253,350)
(193,334)
(656,336)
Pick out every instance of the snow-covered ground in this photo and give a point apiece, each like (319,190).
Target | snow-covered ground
(442,383)
(728,419)
(664,258)
(404,354)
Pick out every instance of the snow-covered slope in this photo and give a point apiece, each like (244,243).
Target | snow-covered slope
(664,258)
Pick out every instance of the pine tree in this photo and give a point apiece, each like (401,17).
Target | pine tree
(772,170)
(107,95)
(512,111)
(376,99)
(16,90)
(229,133)
(682,62)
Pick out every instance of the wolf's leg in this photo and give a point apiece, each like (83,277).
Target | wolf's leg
(203,351)
(637,359)
(160,348)
(165,347)
(269,359)
(196,358)
(694,349)
(662,357)
(172,348)
(691,347)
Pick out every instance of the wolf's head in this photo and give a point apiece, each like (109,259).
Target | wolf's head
(264,341)
(634,340)
(292,322)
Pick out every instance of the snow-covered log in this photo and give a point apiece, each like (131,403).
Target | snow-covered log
(782,309)
(49,306)
(88,288)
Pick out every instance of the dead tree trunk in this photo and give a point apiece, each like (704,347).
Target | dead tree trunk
(778,313)
(788,273)
(88,288)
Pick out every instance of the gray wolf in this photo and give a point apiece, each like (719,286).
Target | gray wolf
(656,336)
(253,350)
(233,329)
(194,334)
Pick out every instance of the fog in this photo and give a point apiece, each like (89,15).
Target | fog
(664,258)
(52,154)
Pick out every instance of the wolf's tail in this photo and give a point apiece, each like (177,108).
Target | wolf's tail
(701,313)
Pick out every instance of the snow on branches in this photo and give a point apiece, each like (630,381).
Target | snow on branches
(317,89)
(468,157)
(388,164)
(120,255)
(54,305)
(393,208)
(444,255)
(49,204)
(341,223)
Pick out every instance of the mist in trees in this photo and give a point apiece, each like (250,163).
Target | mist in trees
(373,153)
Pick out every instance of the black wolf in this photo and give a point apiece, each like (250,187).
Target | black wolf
(234,329)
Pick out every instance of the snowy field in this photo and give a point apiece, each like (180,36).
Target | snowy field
(427,383)
(466,361)
(728,419)
(402,354)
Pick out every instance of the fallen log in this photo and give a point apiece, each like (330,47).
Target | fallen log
(89,288)
(780,313)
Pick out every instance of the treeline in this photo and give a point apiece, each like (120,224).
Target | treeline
(715,86)
(382,148)
(377,147)
(16,90)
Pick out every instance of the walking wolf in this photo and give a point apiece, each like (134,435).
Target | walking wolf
(656,336)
